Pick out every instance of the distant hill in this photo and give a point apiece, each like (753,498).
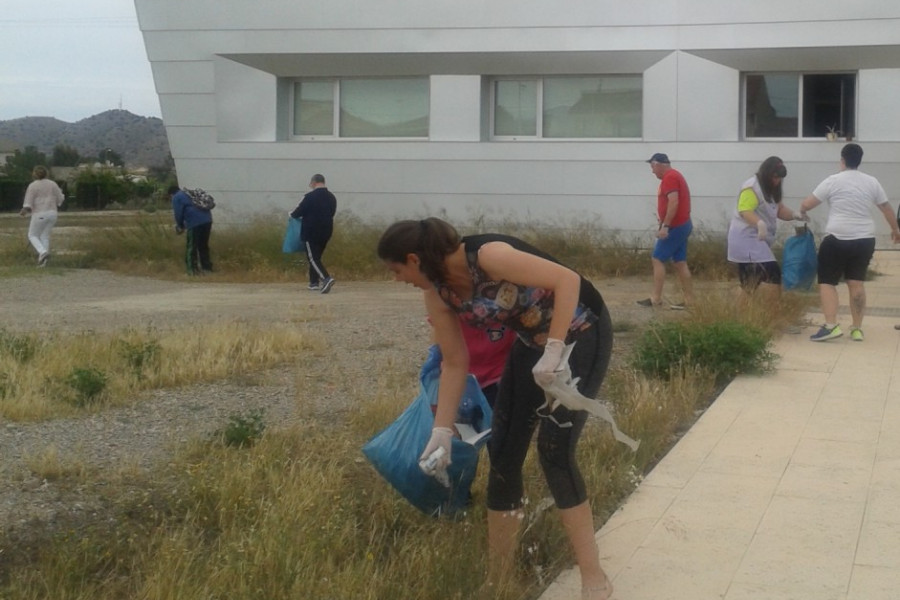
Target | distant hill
(140,141)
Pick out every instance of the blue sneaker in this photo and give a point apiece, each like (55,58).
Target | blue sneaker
(824,334)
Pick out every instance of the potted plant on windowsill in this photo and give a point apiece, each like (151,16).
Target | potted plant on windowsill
(833,133)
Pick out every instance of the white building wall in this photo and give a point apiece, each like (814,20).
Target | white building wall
(221,69)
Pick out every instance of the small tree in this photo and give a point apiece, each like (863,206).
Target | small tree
(21,163)
(65,156)
(96,189)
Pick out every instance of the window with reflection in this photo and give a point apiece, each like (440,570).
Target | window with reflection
(780,105)
(600,106)
(366,108)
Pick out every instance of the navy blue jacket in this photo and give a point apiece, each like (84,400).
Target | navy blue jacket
(317,211)
(188,216)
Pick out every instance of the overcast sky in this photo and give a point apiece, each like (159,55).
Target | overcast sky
(72,59)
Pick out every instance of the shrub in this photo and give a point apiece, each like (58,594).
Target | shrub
(724,348)
(140,355)
(87,383)
(21,347)
(243,431)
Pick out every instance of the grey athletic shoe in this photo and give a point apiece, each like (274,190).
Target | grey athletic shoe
(326,287)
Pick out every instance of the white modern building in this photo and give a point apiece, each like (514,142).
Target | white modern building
(504,110)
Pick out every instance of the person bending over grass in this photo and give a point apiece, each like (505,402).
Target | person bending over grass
(491,278)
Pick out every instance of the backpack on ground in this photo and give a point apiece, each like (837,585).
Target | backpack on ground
(201,198)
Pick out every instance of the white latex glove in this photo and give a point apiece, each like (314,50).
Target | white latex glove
(545,369)
(762,232)
(799,215)
(436,457)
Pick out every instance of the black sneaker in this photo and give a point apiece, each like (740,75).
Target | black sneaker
(646,303)
(313,287)
(326,287)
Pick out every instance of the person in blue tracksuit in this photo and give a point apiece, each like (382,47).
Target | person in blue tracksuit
(196,223)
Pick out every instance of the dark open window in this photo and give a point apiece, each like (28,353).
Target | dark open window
(799,105)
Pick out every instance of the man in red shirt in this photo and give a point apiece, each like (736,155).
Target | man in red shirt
(673,208)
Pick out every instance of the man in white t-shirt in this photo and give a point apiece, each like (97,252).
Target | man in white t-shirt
(849,241)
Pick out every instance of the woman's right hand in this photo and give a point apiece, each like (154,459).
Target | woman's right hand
(440,438)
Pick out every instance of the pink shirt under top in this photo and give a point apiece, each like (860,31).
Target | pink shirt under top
(488,350)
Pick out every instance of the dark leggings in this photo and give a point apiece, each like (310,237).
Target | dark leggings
(515,418)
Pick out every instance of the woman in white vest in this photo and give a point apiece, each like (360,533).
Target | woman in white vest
(752,229)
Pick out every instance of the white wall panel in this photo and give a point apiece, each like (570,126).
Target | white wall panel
(878,91)
(184,77)
(197,15)
(190,142)
(245,106)
(188,110)
(660,91)
(708,100)
(455,112)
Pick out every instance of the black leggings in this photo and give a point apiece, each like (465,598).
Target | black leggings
(515,418)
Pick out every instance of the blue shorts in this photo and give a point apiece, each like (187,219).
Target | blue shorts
(674,247)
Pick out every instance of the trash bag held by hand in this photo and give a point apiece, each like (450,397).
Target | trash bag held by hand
(394,452)
(799,262)
(292,241)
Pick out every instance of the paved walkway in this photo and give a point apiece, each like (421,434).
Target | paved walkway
(787,488)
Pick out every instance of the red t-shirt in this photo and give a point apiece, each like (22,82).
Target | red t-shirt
(673,181)
(488,350)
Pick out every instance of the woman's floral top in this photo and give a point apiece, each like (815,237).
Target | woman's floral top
(526,310)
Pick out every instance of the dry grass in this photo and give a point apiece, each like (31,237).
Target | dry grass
(50,466)
(141,243)
(36,373)
(301,514)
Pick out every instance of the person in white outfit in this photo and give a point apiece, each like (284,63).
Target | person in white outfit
(849,242)
(42,199)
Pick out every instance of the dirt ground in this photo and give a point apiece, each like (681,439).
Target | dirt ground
(365,326)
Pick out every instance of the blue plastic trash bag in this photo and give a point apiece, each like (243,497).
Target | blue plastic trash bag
(394,452)
(798,262)
(292,241)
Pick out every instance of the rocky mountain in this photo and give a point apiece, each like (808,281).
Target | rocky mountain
(140,141)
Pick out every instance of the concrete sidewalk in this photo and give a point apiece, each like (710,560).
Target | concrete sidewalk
(787,488)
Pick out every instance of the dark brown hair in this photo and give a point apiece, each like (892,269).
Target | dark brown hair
(770,168)
(431,239)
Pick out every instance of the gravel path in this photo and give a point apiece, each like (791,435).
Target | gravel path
(365,326)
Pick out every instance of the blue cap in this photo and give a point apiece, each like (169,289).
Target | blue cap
(660,158)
